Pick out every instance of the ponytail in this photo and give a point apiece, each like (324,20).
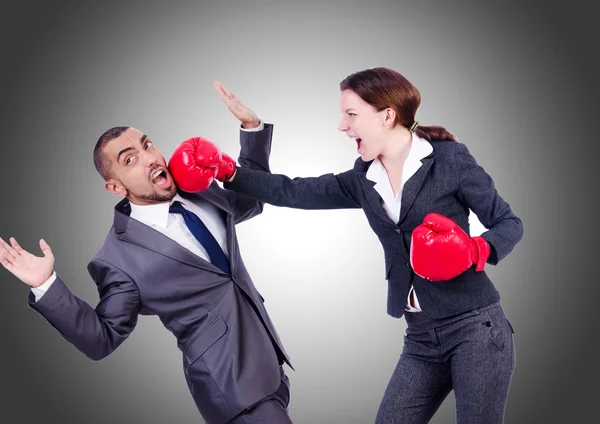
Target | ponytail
(435,133)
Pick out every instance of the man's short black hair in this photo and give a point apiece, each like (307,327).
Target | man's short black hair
(101,161)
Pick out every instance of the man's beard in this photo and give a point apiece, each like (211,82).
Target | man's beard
(158,197)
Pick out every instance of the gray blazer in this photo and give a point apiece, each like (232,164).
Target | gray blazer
(231,351)
(449,182)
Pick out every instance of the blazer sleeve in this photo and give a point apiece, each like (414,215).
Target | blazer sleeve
(478,192)
(328,191)
(255,149)
(95,332)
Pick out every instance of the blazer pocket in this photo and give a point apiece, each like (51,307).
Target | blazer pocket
(205,340)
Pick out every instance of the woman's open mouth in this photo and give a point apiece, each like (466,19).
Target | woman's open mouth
(359,144)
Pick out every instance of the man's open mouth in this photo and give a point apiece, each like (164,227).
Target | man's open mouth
(160,178)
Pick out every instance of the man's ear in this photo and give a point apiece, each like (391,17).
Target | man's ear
(115,187)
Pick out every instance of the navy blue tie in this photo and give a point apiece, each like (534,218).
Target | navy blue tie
(206,239)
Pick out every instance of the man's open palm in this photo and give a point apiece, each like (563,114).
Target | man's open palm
(32,270)
(237,108)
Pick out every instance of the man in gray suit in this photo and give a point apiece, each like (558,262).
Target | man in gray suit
(152,264)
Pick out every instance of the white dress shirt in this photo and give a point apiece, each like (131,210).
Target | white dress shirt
(173,226)
(419,149)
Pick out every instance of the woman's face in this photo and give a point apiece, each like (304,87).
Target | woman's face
(364,124)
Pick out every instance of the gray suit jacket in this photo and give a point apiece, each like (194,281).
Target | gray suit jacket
(231,351)
(450,182)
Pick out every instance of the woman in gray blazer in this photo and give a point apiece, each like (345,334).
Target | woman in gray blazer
(457,336)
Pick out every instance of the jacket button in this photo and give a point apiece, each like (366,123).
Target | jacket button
(408,264)
(398,230)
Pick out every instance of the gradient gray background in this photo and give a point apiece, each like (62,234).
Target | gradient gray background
(512,80)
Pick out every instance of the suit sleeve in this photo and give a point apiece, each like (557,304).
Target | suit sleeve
(478,192)
(255,149)
(95,332)
(328,191)
(255,184)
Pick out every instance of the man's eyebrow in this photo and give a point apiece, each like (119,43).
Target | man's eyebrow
(126,149)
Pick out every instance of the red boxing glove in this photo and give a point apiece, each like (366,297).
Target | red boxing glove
(197,162)
(440,250)
(226,168)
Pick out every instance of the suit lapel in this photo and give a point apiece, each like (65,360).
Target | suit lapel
(409,192)
(374,199)
(213,194)
(135,232)
(413,186)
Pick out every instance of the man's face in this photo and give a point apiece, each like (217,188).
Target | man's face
(139,171)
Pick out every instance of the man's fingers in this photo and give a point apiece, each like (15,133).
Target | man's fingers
(234,105)
(224,90)
(5,258)
(16,246)
(221,91)
(227,93)
(6,264)
(217,85)
(46,248)
(225,99)
(12,252)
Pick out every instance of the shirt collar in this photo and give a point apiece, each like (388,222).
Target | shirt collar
(419,149)
(157,214)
